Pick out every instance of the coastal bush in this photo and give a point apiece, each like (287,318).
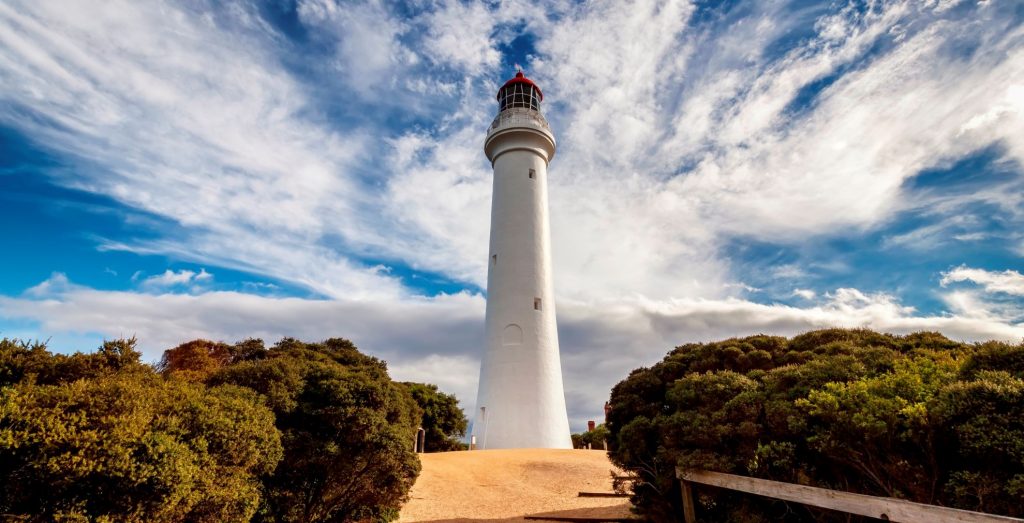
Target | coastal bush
(592,439)
(443,421)
(299,432)
(102,437)
(346,428)
(918,417)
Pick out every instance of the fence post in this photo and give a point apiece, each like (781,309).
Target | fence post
(421,441)
(688,512)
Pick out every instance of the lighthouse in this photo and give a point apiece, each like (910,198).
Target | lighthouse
(520,402)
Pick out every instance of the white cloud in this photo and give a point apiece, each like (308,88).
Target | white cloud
(442,325)
(439,185)
(997,299)
(453,374)
(170,278)
(459,35)
(806,294)
(369,52)
(788,271)
(1007,282)
(57,283)
(937,234)
(971,236)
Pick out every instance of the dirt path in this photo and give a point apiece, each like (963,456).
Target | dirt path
(505,485)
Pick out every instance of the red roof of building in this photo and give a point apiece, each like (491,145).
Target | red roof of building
(521,79)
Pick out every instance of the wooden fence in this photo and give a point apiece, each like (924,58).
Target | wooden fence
(887,509)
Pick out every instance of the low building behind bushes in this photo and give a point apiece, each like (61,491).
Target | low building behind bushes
(596,438)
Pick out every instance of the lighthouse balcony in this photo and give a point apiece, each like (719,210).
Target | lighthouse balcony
(519,117)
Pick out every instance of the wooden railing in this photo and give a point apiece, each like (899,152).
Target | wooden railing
(887,509)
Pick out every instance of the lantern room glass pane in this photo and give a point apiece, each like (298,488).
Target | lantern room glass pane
(519,95)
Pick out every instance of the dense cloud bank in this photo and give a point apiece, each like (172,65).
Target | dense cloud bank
(440,339)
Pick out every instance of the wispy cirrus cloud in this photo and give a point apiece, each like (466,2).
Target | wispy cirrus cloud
(993,295)
(366,38)
(673,140)
(819,138)
(186,115)
(1007,282)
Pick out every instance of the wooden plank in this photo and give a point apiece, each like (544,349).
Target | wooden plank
(581,519)
(890,509)
(689,513)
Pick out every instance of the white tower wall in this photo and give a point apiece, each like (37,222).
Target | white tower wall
(521,403)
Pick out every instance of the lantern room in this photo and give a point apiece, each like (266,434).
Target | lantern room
(519,92)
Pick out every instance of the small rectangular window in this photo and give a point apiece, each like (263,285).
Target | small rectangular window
(536,304)
(533,174)
(494,259)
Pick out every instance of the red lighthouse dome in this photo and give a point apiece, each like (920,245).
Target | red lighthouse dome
(520,91)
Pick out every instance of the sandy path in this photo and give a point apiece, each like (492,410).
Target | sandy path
(504,485)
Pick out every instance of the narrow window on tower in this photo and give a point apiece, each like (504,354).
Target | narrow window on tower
(536,304)
(494,259)
(533,174)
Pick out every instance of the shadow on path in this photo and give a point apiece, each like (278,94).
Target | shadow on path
(617,513)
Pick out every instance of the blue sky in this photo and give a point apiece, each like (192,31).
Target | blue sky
(313,168)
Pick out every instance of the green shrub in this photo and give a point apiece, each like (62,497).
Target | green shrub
(116,442)
(346,428)
(919,417)
(302,432)
(592,439)
(443,421)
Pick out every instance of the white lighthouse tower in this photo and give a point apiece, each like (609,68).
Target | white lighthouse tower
(520,403)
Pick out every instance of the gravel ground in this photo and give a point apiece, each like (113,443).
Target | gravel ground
(505,485)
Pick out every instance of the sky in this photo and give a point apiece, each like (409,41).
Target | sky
(173,170)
